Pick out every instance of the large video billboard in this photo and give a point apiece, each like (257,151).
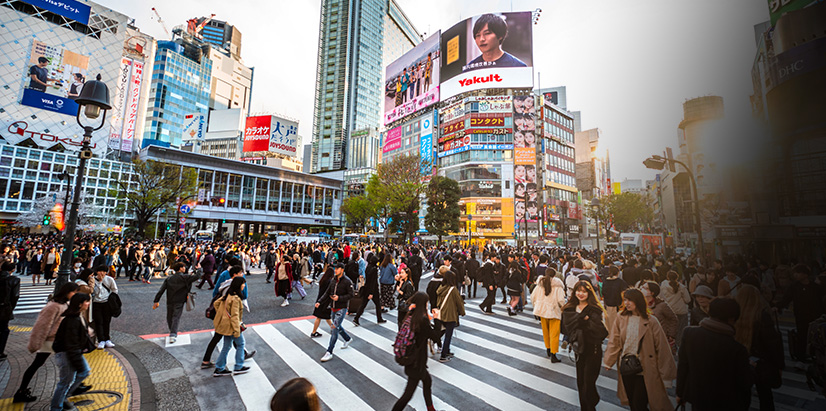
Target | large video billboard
(271,133)
(412,81)
(487,51)
(53,78)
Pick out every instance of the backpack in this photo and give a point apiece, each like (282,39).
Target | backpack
(403,346)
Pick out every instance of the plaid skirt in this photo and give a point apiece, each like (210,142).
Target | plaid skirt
(387,300)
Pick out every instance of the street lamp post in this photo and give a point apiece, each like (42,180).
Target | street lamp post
(94,98)
(657,162)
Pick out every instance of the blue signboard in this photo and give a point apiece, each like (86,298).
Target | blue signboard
(426,146)
(454,151)
(491,146)
(70,9)
(45,101)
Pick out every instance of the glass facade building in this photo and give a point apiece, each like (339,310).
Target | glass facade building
(181,80)
(351,58)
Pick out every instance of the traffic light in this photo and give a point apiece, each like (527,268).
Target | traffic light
(168,226)
(222,200)
(47,219)
(223,221)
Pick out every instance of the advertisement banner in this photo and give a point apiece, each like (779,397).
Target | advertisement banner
(131,116)
(493,104)
(194,126)
(392,140)
(487,51)
(283,136)
(491,147)
(70,9)
(524,156)
(257,133)
(453,151)
(412,81)
(524,159)
(426,146)
(453,112)
(778,8)
(487,121)
(456,143)
(53,78)
(452,128)
(119,103)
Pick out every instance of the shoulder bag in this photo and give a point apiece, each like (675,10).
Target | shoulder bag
(114,301)
(438,311)
(630,363)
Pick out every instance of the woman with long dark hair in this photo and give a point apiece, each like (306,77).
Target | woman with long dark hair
(405,290)
(42,337)
(637,333)
(583,324)
(297,394)
(417,370)
(548,298)
(515,280)
(323,312)
(70,343)
(228,322)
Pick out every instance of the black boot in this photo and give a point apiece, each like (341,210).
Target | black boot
(24,395)
(555,359)
(548,350)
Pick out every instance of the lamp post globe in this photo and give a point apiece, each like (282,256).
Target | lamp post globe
(92,101)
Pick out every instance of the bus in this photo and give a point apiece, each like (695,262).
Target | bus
(204,235)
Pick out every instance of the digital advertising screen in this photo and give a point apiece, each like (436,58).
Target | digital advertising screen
(53,78)
(412,81)
(492,50)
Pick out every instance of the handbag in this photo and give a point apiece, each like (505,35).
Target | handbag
(114,301)
(630,363)
(190,301)
(437,312)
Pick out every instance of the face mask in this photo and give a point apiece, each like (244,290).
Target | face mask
(77,265)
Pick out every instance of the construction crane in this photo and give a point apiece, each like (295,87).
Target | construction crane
(160,20)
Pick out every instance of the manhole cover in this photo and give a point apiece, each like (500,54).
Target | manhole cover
(95,400)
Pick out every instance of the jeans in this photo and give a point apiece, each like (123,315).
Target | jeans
(68,379)
(239,352)
(338,318)
(147,273)
(449,326)
(173,317)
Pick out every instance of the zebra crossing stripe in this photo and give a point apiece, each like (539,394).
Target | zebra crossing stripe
(557,391)
(371,369)
(485,392)
(332,391)
(253,387)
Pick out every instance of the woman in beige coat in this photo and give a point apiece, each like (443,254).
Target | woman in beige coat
(637,332)
(228,322)
(548,297)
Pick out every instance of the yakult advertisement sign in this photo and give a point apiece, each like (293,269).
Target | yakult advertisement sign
(493,50)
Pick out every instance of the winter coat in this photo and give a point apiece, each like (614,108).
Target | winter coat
(176,286)
(46,326)
(678,301)
(654,354)
(516,277)
(714,371)
(208,264)
(612,289)
(451,305)
(486,275)
(371,282)
(388,274)
(423,333)
(431,289)
(548,306)
(668,320)
(586,333)
(72,337)
(229,314)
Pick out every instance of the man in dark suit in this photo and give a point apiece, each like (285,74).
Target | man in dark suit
(123,255)
(488,280)
(415,263)
(472,269)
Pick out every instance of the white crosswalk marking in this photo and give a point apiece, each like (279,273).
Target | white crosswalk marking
(32,297)
(499,363)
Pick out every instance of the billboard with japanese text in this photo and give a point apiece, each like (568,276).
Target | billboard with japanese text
(524,159)
(392,140)
(412,81)
(271,134)
(493,50)
(131,117)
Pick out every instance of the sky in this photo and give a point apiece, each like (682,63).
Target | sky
(628,65)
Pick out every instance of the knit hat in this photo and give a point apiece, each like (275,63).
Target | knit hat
(704,291)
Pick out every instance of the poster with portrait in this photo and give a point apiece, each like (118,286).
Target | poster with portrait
(53,78)
(524,158)
(412,81)
(492,50)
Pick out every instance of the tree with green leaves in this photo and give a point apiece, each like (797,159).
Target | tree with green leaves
(443,210)
(154,186)
(628,212)
(358,210)
(395,190)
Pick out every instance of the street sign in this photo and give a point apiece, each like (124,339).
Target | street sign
(181,233)
(183,220)
(470,217)
(202,194)
(516,226)
(185,209)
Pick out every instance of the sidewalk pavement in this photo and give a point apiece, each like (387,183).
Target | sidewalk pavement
(135,375)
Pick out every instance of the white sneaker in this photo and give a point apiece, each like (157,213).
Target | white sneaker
(347,343)
(101,345)
(327,356)
(109,344)
(285,303)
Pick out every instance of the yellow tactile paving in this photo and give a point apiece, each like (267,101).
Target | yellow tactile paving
(19,329)
(107,375)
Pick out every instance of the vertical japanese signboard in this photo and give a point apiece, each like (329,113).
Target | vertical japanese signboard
(131,117)
(119,103)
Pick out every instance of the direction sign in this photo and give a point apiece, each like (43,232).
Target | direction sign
(185,208)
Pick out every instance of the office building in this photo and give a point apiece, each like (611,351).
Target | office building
(353,37)
(593,173)
(221,35)
(362,158)
(558,170)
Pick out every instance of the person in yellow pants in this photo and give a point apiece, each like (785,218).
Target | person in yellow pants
(548,297)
